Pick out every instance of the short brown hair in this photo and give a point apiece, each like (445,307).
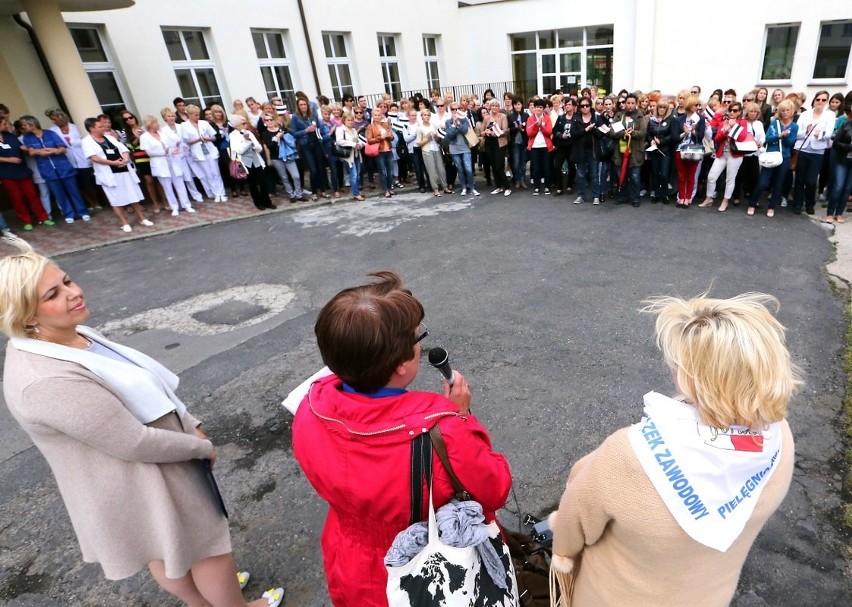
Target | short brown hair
(365,332)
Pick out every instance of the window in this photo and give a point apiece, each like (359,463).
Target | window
(337,59)
(430,54)
(274,65)
(98,64)
(567,59)
(778,52)
(194,69)
(390,65)
(832,58)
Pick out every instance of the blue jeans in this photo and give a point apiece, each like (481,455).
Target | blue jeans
(588,173)
(631,192)
(774,177)
(807,172)
(841,186)
(384,161)
(464,167)
(312,155)
(519,162)
(355,176)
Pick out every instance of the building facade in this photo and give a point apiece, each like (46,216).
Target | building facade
(107,54)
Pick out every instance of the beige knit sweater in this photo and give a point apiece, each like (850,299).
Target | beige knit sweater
(629,550)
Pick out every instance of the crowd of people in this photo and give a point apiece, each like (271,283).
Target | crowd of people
(625,147)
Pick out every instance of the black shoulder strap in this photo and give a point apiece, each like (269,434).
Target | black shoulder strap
(421,467)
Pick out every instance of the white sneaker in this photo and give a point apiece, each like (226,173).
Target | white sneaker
(474,192)
(147,223)
(126,228)
(69,220)
(464,192)
(175,213)
(188,210)
(223,199)
(506,192)
(86,218)
(783,203)
(217,199)
(579,200)
(642,193)
(8,234)
(596,201)
(497,190)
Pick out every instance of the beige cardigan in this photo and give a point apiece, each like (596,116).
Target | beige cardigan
(629,550)
(135,493)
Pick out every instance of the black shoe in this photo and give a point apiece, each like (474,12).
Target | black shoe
(653,200)
(810,211)
(635,204)
(271,206)
(797,211)
(422,190)
(666,200)
(620,202)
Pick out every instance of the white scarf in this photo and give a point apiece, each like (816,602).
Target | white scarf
(710,479)
(146,388)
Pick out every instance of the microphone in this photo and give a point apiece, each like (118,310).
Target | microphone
(440,359)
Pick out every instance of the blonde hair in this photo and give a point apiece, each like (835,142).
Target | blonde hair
(751,107)
(193,109)
(148,120)
(20,275)
(690,102)
(166,110)
(729,357)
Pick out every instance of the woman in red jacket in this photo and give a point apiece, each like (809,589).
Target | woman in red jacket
(730,128)
(352,435)
(539,145)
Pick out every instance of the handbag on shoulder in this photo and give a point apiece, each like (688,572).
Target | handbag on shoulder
(442,574)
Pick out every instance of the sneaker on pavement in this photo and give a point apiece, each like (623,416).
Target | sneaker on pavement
(535,192)
(28,227)
(547,190)
(596,201)
(475,192)
(8,234)
(496,190)
(49,222)
(189,210)
(86,218)
(147,223)
(506,192)
(579,200)
(175,213)
(69,220)
(464,192)
(126,228)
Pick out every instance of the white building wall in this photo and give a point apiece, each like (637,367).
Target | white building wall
(662,44)
(136,41)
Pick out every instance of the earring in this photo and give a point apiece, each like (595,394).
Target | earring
(34,329)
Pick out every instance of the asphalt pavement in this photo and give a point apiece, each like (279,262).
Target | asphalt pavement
(536,299)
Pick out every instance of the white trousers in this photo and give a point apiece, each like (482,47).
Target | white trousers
(725,163)
(170,186)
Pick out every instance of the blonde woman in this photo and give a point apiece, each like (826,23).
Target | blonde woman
(665,511)
(200,136)
(164,165)
(131,463)
(427,141)
(346,136)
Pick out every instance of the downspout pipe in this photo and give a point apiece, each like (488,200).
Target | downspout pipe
(310,47)
(51,79)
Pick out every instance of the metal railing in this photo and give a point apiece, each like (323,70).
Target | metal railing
(524,88)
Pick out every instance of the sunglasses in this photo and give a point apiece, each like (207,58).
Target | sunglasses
(440,105)
(734,109)
(422,334)
(582,105)
(128,118)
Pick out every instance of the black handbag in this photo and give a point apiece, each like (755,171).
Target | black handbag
(339,151)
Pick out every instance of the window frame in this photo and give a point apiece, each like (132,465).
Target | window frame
(557,50)
(334,63)
(434,60)
(103,67)
(387,61)
(287,95)
(836,81)
(192,65)
(777,82)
